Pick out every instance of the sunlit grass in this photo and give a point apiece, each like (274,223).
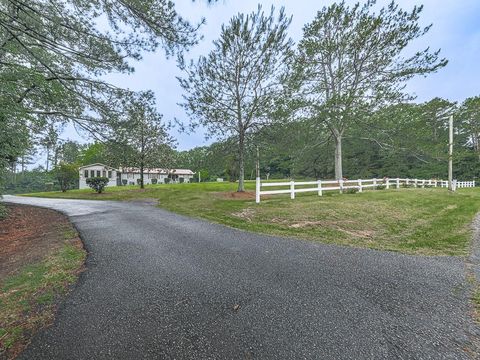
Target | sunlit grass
(423,221)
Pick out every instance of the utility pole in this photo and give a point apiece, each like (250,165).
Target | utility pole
(257,164)
(450,154)
(257,180)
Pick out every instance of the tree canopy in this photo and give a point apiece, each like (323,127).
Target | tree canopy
(352,61)
(232,90)
(54,56)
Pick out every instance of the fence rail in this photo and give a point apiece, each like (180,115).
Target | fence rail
(320,186)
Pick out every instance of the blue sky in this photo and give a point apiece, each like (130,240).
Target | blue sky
(456,30)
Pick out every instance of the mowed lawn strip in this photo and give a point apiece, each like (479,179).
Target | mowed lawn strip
(428,221)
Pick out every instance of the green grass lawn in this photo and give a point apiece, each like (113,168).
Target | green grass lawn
(421,221)
(28,298)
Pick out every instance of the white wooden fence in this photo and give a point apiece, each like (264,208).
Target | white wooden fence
(465,184)
(320,186)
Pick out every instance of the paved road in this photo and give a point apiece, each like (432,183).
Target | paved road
(163,286)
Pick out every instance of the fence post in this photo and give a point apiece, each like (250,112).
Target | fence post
(340,184)
(387,183)
(407,181)
(257,190)
(435,183)
(375,184)
(454,185)
(360,188)
(473,183)
(415,184)
(292,190)
(398,183)
(320,193)
(423,183)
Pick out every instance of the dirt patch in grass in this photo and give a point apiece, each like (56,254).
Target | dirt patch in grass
(27,235)
(41,256)
(245,195)
(246,214)
(364,234)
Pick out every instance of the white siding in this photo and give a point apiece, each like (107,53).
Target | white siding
(95,168)
(131,178)
(147,178)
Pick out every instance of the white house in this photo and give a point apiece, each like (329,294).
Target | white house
(131,176)
(97,170)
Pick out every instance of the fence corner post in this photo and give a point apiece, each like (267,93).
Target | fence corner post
(387,183)
(360,187)
(292,190)
(320,192)
(398,183)
(257,190)
(340,185)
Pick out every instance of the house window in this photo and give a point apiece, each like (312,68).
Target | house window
(98,173)
(104,173)
(85,173)
(92,173)
(109,174)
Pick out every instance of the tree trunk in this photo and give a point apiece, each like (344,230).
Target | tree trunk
(338,156)
(141,176)
(48,156)
(241,173)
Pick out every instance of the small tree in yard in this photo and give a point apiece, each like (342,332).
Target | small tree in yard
(97,183)
(351,62)
(66,175)
(142,138)
(232,90)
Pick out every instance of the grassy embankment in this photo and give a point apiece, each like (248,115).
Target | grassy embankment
(421,221)
(28,299)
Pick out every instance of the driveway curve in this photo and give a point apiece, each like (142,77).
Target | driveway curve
(163,286)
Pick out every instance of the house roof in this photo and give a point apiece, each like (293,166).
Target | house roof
(182,172)
(96,164)
(157,171)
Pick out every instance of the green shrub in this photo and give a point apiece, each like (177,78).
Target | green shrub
(97,183)
(167,180)
(381,187)
(154,181)
(66,175)
(124,182)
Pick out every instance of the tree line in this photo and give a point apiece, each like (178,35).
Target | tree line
(402,140)
(334,104)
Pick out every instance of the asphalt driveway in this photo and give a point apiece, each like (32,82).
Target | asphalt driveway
(163,286)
